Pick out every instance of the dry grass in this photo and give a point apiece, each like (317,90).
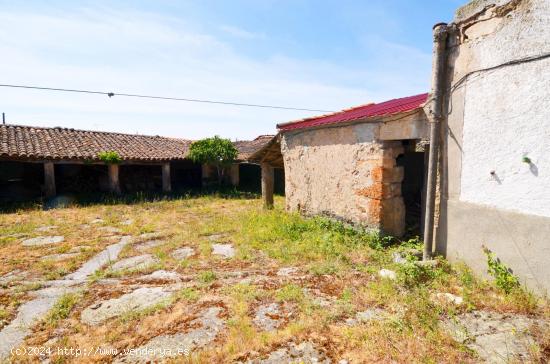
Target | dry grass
(333,262)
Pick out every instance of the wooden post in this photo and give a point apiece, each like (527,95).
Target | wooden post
(166,181)
(267,185)
(49,179)
(114,183)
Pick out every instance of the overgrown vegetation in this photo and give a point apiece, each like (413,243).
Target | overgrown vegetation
(109,157)
(336,277)
(504,278)
(215,151)
(62,308)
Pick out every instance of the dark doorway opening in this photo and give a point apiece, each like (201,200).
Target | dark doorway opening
(412,187)
(80,178)
(20,181)
(134,178)
(185,175)
(250,179)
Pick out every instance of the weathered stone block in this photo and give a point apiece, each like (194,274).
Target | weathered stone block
(392,219)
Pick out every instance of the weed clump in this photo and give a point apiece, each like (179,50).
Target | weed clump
(504,278)
(62,308)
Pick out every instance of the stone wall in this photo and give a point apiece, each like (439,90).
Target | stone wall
(347,173)
(498,113)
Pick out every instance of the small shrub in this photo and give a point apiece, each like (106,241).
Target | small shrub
(187,294)
(207,277)
(290,293)
(109,157)
(504,278)
(411,274)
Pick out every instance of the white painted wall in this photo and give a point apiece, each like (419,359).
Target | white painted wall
(507,114)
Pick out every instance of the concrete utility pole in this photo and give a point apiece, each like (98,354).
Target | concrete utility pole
(435,115)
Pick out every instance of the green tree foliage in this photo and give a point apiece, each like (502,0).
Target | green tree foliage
(215,151)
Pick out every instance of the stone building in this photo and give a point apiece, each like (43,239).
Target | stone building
(43,162)
(362,165)
(495,138)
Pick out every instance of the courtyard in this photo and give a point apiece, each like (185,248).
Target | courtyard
(215,279)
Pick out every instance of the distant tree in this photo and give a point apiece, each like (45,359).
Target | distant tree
(215,151)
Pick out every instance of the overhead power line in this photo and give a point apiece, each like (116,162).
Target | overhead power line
(111,94)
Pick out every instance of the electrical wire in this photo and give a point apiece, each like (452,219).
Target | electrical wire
(111,94)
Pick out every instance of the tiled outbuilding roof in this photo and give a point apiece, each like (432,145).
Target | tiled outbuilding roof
(27,142)
(248,147)
(385,108)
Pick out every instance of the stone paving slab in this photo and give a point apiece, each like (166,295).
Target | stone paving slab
(29,313)
(496,337)
(43,240)
(139,299)
(101,259)
(161,275)
(305,353)
(182,253)
(224,250)
(170,346)
(148,245)
(268,317)
(135,263)
(59,257)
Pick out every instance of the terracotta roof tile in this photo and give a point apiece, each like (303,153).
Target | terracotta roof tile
(18,141)
(248,147)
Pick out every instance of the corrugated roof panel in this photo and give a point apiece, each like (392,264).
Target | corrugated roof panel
(385,108)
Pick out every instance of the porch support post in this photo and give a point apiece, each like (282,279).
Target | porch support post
(49,179)
(166,181)
(267,185)
(114,183)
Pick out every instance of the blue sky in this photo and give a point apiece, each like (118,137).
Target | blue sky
(308,54)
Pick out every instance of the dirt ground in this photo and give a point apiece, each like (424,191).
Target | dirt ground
(220,280)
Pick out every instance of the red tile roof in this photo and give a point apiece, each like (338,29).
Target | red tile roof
(248,147)
(385,108)
(28,142)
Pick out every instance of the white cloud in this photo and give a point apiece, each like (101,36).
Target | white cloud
(241,33)
(128,51)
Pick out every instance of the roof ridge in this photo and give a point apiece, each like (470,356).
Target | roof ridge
(92,131)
